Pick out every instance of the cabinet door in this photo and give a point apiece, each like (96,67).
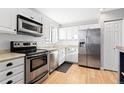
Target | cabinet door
(62,34)
(68,33)
(72,55)
(91,26)
(61,56)
(29,14)
(7,20)
(75,34)
(46,30)
(76,55)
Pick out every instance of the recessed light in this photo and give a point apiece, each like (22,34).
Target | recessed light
(101,9)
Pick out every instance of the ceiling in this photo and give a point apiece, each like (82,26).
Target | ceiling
(71,15)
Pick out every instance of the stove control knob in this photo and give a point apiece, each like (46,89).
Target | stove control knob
(15,43)
(34,43)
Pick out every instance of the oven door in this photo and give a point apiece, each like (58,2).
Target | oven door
(28,27)
(36,66)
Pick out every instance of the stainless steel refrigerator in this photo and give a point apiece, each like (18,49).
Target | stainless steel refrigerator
(89,48)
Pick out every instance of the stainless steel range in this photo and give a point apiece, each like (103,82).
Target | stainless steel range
(36,61)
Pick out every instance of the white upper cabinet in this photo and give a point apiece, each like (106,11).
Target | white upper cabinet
(69,32)
(30,14)
(91,26)
(62,34)
(46,29)
(72,33)
(8,20)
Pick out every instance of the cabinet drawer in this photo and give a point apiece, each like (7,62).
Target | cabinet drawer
(11,72)
(20,82)
(11,63)
(13,79)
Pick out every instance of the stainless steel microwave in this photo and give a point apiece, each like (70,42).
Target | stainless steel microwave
(26,26)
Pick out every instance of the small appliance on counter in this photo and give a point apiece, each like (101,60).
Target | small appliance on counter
(36,61)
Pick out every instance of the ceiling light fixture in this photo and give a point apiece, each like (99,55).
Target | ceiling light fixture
(101,9)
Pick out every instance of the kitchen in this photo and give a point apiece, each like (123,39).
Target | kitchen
(34,48)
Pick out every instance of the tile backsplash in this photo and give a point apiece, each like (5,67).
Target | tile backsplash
(6,38)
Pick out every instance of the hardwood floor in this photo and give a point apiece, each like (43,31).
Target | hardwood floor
(82,75)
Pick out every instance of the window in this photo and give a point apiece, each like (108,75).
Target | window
(54,34)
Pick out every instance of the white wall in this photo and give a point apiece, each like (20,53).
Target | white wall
(6,38)
(65,43)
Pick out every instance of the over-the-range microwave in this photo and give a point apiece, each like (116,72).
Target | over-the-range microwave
(26,26)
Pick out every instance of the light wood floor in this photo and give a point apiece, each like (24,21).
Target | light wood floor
(82,75)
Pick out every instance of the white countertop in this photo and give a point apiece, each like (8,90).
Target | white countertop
(8,56)
(5,55)
(120,48)
(50,48)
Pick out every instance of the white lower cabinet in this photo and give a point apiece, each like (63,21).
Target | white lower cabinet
(12,71)
(20,82)
(61,56)
(13,79)
(71,55)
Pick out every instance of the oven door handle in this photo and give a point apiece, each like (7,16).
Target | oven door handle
(35,56)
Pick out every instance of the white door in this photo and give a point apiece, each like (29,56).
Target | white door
(112,38)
